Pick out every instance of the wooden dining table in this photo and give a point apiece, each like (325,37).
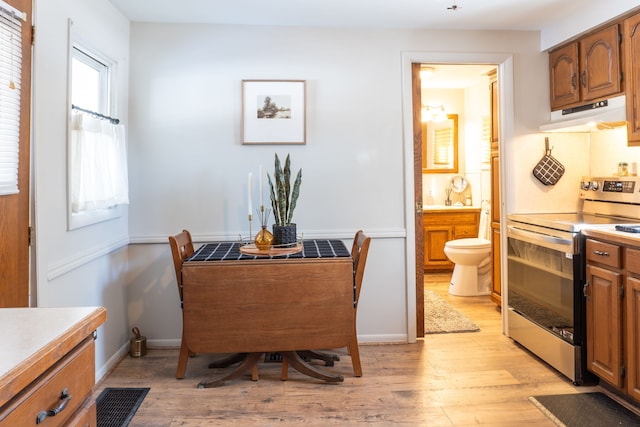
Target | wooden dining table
(252,304)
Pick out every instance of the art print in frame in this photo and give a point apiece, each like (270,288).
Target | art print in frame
(273,111)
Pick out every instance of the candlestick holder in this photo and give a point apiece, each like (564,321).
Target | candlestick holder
(264,238)
(250,221)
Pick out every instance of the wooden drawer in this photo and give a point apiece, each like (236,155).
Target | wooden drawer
(86,416)
(75,372)
(450,218)
(604,253)
(632,257)
(465,231)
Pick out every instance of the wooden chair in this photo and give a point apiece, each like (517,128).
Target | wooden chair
(181,249)
(359,252)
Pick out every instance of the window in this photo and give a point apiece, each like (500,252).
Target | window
(10,85)
(89,82)
(98,180)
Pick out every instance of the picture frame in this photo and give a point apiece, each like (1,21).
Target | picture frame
(274,112)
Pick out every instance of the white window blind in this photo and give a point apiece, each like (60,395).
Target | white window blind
(10,85)
(442,146)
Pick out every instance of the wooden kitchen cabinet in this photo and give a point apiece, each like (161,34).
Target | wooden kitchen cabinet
(632,323)
(604,324)
(440,226)
(603,295)
(586,70)
(612,295)
(631,31)
(51,365)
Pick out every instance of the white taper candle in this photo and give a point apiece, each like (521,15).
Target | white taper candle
(249,195)
(261,189)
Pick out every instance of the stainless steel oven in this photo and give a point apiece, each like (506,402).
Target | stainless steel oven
(546,272)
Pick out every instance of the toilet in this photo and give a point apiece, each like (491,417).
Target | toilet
(472,258)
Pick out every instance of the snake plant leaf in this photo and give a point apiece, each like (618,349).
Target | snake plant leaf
(287,185)
(274,204)
(283,196)
(294,195)
(280,193)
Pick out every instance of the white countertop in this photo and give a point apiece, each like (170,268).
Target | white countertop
(26,331)
(449,208)
(611,234)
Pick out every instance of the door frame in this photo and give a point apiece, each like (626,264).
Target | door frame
(412,174)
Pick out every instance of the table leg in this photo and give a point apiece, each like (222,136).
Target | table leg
(294,359)
(228,361)
(327,358)
(250,360)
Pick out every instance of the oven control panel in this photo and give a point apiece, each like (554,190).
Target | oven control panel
(611,189)
(611,186)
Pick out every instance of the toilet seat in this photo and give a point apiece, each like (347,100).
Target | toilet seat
(470,243)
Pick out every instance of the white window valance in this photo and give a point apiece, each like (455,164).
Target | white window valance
(99,178)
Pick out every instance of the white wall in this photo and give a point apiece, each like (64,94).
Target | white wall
(587,16)
(190,167)
(87,266)
(608,148)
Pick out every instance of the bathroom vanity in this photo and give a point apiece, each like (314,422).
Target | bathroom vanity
(444,223)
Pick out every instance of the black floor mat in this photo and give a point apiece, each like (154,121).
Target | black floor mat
(585,410)
(117,406)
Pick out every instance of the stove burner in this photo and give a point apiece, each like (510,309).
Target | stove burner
(628,229)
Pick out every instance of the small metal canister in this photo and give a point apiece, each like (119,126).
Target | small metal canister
(138,344)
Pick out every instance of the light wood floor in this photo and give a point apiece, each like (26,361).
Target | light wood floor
(464,379)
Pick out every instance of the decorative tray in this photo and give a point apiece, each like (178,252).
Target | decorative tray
(251,249)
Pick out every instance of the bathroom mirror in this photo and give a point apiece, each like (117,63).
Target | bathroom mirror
(458,184)
(440,145)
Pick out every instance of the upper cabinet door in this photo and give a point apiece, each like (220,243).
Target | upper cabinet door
(600,64)
(586,70)
(563,76)
(632,77)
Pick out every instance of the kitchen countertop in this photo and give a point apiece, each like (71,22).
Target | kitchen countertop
(32,337)
(612,235)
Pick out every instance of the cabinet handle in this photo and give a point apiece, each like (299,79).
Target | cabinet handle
(65,397)
(583,79)
(601,253)
(574,80)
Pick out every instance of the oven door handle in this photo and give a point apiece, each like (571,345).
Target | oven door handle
(544,240)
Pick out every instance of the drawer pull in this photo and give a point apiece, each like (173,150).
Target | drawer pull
(65,397)
(601,253)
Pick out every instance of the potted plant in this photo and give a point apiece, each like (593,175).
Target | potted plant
(284,198)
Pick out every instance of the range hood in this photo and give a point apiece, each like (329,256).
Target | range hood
(600,115)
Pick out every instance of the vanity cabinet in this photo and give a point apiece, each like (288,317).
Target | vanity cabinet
(612,296)
(440,226)
(586,70)
(50,365)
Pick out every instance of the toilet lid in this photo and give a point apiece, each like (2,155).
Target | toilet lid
(469,243)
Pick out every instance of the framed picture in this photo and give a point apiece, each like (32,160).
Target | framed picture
(273,111)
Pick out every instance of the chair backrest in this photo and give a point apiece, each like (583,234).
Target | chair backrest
(359,252)
(181,249)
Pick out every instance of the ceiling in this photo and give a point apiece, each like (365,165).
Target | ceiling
(408,14)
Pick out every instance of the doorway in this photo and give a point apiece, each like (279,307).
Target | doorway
(413,177)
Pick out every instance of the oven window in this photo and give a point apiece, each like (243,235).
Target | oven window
(541,286)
